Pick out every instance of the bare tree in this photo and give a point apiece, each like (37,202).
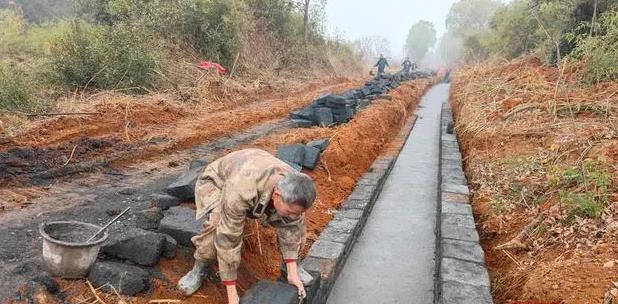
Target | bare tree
(369,48)
(306,21)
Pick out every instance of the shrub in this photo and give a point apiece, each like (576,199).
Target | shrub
(16,88)
(90,56)
(601,51)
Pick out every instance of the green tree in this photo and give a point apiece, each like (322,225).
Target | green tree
(600,52)
(468,20)
(471,17)
(514,30)
(421,37)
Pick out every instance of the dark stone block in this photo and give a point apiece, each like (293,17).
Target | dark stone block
(267,292)
(136,245)
(364,103)
(180,223)
(169,248)
(366,91)
(321,144)
(306,114)
(164,202)
(336,101)
(371,178)
(292,153)
(296,167)
(301,123)
(324,117)
(126,279)
(149,219)
(184,187)
(312,156)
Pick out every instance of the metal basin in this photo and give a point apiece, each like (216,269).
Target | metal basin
(65,253)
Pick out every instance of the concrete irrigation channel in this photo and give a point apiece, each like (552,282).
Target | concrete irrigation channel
(406,234)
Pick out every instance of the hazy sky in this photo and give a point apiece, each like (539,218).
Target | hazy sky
(392,19)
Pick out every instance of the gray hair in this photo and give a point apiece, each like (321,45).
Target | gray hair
(297,188)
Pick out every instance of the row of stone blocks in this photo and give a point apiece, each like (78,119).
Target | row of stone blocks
(463,277)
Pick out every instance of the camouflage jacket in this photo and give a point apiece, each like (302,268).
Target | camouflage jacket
(245,181)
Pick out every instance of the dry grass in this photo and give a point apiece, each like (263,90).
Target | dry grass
(540,155)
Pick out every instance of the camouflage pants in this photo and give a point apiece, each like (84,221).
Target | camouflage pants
(204,242)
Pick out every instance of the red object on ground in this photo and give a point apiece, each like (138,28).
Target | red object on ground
(208,65)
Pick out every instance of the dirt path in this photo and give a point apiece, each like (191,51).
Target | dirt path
(123,136)
(353,148)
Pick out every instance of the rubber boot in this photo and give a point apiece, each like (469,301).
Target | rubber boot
(193,280)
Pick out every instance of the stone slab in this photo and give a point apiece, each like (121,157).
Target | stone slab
(453,188)
(349,213)
(326,250)
(340,230)
(458,293)
(459,233)
(463,250)
(461,220)
(463,272)
(455,198)
(456,208)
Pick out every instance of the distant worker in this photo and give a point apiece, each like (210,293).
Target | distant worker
(249,183)
(447,76)
(382,63)
(406,66)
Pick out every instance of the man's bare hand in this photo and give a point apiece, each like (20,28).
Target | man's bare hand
(295,280)
(232,295)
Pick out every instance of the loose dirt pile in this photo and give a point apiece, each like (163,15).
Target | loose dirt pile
(353,148)
(540,155)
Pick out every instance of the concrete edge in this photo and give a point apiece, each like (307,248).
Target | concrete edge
(461,274)
(329,253)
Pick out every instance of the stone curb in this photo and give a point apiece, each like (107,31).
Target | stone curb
(462,277)
(329,253)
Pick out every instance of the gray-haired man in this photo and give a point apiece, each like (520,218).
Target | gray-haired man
(244,184)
